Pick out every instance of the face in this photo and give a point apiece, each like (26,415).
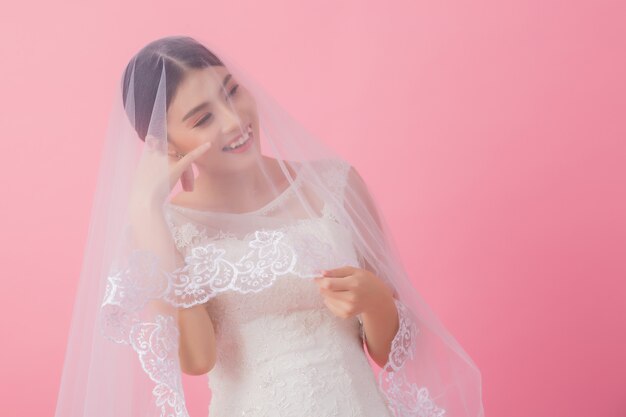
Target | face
(211,106)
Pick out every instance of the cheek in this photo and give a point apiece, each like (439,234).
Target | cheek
(212,156)
(246,104)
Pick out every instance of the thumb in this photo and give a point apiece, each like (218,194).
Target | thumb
(343,271)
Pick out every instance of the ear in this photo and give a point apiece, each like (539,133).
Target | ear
(171,148)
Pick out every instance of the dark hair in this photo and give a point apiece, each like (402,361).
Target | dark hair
(178,54)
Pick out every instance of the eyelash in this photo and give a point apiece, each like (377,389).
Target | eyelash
(205,118)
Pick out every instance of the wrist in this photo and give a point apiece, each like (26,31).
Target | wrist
(144,207)
(383,304)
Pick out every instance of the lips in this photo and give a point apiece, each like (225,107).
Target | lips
(247,131)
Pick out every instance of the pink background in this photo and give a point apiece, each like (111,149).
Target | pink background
(505,118)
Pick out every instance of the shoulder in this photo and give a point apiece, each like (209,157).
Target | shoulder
(343,176)
(334,172)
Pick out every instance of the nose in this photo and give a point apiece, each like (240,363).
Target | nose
(230,121)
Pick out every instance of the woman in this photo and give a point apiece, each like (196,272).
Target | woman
(271,271)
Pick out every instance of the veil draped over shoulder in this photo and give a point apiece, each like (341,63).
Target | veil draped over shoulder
(266,175)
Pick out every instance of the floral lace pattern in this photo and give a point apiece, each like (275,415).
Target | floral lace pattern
(127,291)
(224,264)
(282,353)
(405,399)
(156,344)
(210,269)
(297,250)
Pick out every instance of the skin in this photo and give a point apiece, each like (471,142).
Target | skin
(349,291)
(236,182)
(233,182)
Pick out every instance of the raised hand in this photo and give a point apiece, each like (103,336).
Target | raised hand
(152,183)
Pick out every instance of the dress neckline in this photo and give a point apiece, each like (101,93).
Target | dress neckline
(265,207)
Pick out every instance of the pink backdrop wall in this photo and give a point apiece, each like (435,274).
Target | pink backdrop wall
(505,117)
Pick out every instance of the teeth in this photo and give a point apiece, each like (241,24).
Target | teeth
(241,141)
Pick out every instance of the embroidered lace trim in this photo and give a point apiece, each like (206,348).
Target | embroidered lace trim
(405,399)
(206,273)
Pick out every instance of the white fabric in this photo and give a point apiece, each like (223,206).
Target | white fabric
(147,258)
(281,352)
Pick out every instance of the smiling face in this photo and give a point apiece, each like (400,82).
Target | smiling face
(211,106)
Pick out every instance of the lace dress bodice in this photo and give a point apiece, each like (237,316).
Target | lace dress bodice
(280,350)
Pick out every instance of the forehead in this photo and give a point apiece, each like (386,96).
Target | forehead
(199,85)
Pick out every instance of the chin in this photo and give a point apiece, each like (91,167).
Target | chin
(235,162)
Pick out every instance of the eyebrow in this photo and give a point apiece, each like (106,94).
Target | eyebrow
(205,103)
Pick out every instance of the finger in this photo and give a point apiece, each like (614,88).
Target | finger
(347,296)
(343,271)
(186,160)
(187,179)
(335,284)
(338,307)
(199,150)
(331,304)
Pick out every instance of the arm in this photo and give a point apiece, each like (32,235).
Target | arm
(197,351)
(380,326)
(380,321)
(197,340)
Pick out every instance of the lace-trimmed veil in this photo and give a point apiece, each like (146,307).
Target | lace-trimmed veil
(122,353)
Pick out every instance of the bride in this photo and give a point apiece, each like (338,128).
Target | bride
(271,271)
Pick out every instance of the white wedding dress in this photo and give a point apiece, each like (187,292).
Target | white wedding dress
(280,351)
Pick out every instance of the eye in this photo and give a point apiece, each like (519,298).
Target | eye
(204,119)
(233,91)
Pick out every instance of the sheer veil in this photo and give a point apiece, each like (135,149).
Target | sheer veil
(142,265)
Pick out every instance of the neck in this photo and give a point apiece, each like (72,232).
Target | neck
(240,192)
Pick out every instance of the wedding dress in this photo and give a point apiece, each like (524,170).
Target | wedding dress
(280,350)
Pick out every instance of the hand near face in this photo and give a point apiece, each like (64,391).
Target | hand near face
(152,182)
